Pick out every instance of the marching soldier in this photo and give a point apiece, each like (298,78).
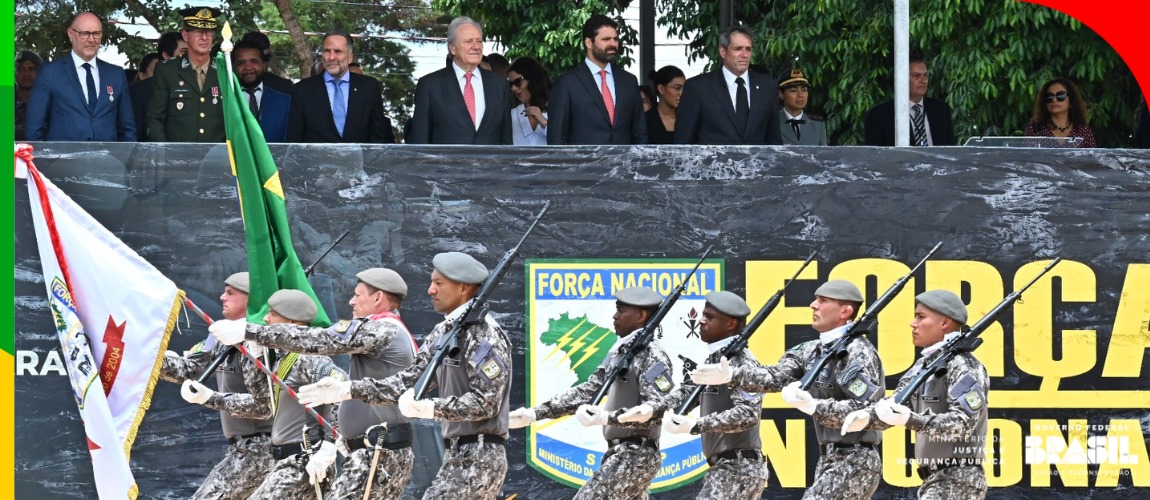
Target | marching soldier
(729,419)
(380,346)
(299,471)
(248,458)
(630,426)
(185,104)
(948,413)
(849,467)
(474,387)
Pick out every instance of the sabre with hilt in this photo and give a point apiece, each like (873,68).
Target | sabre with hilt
(380,432)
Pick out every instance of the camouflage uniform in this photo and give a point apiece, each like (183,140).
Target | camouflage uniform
(288,479)
(473,405)
(949,420)
(632,459)
(729,422)
(379,348)
(248,458)
(850,466)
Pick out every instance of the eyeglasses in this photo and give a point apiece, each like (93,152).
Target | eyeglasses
(200,33)
(516,82)
(87,34)
(1059,96)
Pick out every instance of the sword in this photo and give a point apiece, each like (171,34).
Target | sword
(380,431)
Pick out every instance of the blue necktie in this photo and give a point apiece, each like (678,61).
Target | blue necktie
(91,88)
(338,106)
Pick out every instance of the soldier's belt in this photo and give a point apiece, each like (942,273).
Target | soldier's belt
(735,455)
(398,437)
(287,450)
(454,442)
(236,439)
(829,448)
(946,463)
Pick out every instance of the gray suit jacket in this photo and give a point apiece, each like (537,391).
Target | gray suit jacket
(813,131)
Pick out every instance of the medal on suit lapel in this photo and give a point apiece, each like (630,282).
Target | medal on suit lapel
(111,97)
(215,95)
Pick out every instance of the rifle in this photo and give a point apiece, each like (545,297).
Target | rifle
(839,348)
(448,346)
(231,349)
(967,341)
(644,336)
(740,341)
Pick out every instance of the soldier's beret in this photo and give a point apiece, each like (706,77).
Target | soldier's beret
(239,281)
(639,296)
(728,303)
(840,290)
(293,304)
(384,279)
(460,267)
(201,17)
(944,302)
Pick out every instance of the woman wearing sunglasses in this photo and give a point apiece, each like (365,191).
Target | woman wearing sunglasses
(1060,112)
(531,85)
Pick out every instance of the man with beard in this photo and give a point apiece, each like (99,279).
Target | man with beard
(338,105)
(462,103)
(597,102)
(268,105)
(185,102)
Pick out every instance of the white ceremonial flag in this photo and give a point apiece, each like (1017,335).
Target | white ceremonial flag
(113,313)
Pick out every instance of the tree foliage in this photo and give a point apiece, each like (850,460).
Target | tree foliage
(986,58)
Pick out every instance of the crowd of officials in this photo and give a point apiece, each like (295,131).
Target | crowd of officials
(476,99)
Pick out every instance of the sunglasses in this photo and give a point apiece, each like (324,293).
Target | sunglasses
(516,82)
(1059,96)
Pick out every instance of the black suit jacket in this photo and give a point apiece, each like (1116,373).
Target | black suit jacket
(310,119)
(706,114)
(141,92)
(441,115)
(880,123)
(576,113)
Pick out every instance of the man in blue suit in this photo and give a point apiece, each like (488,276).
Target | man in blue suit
(79,97)
(270,106)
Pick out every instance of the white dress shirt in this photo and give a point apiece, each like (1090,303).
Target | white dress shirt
(521,133)
(82,74)
(477,86)
(733,88)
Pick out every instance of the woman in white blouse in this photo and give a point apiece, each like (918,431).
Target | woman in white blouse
(531,85)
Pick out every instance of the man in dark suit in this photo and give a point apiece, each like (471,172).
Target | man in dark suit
(79,97)
(338,105)
(185,103)
(932,128)
(597,102)
(452,106)
(267,104)
(731,105)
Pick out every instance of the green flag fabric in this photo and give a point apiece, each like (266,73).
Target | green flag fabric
(272,261)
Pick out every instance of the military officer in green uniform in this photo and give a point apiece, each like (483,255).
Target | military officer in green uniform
(185,104)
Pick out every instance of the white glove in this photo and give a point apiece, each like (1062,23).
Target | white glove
(679,424)
(799,398)
(229,332)
(855,421)
(712,373)
(591,415)
(892,413)
(520,418)
(195,392)
(320,461)
(637,413)
(410,408)
(254,348)
(327,390)
(171,355)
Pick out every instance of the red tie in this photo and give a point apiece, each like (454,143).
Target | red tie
(469,97)
(607,100)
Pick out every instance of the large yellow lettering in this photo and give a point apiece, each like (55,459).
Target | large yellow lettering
(1008,435)
(897,447)
(790,462)
(1034,323)
(1131,334)
(1130,455)
(894,320)
(985,291)
(764,278)
(1048,446)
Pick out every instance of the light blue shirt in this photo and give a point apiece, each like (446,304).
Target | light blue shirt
(599,80)
(327,79)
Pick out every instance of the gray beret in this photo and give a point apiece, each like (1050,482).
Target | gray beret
(728,303)
(293,304)
(639,296)
(460,267)
(945,303)
(239,281)
(384,279)
(840,290)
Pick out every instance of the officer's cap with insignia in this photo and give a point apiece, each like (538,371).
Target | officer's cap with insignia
(840,290)
(944,302)
(639,296)
(205,18)
(384,279)
(460,267)
(793,78)
(293,304)
(239,281)
(728,303)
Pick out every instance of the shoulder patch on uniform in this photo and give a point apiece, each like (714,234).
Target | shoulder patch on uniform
(194,349)
(969,394)
(798,347)
(660,376)
(341,326)
(487,361)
